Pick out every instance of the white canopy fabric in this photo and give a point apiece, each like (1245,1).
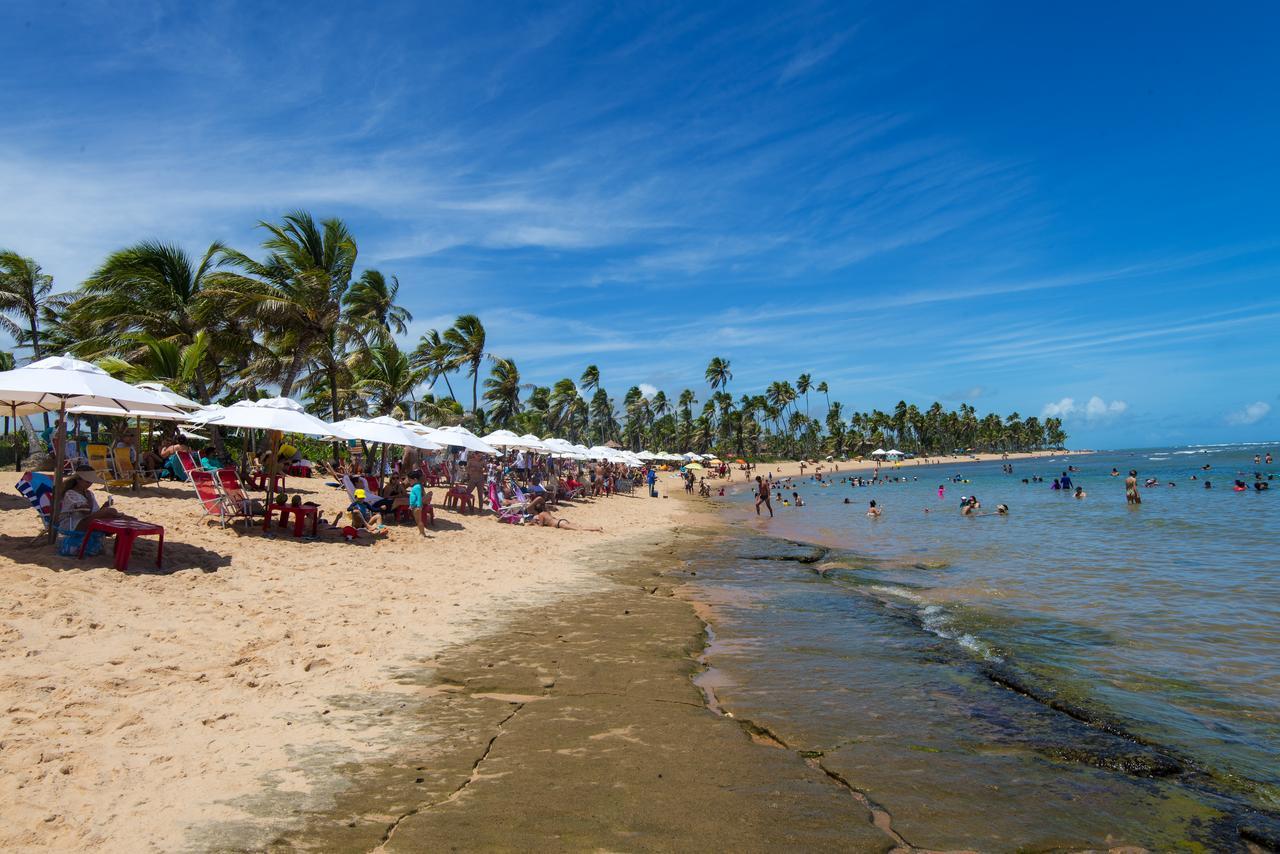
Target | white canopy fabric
(879,452)
(169,396)
(58,381)
(107,411)
(533,443)
(894,453)
(53,384)
(383,433)
(461,437)
(418,439)
(273,413)
(503,439)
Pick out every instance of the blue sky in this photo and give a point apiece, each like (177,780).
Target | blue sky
(1045,209)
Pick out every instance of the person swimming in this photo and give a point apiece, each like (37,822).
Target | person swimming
(873,511)
(1080,493)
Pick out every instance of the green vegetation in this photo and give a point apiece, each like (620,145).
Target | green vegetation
(228,325)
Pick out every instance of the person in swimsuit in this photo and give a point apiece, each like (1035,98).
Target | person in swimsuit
(1131,488)
(762,496)
(546,520)
(873,511)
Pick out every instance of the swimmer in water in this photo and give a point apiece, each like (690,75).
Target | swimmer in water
(873,511)
(1131,495)
(1080,493)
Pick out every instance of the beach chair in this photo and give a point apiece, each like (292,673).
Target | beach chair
(233,494)
(508,513)
(189,462)
(126,470)
(37,488)
(351,486)
(210,497)
(100,460)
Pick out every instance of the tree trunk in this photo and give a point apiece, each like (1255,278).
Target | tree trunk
(333,412)
(475,385)
(295,366)
(35,351)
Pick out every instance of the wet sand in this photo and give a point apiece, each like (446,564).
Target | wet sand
(580,727)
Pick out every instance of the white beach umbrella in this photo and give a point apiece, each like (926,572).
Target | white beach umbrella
(150,415)
(383,433)
(61,382)
(169,396)
(55,383)
(533,443)
(461,437)
(503,439)
(416,438)
(879,452)
(894,453)
(279,414)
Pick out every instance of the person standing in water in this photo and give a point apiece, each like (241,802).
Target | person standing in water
(1131,488)
(762,496)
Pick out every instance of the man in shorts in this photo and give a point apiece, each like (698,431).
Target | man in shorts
(762,496)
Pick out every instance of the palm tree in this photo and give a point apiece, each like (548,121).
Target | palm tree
(590,378)
(821,388)
(296,295)
(561,404)
(388,380)
(434,355)
(466,340)
(502,392)
(803,383)
(718,373)
(603,422)
(371,304)
(24,291)
(161,361)
(150,294)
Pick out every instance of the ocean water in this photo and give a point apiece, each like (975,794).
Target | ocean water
(1077,673)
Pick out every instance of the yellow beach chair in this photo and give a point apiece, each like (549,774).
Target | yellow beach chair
(99,458)
(125,469)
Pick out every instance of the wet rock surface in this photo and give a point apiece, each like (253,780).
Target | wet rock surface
(579,727)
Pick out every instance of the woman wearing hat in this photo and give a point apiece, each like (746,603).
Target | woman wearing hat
(79,507)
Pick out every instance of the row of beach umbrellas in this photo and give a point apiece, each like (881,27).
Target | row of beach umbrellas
(68,386)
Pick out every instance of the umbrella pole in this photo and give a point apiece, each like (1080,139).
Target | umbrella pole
(138,453)
(17,457)
(274,437)
(59,449)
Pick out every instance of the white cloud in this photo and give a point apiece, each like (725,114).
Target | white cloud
(648,390)
(1251,414)
(1094,409)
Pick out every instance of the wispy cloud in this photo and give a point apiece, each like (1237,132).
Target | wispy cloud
(1249,414)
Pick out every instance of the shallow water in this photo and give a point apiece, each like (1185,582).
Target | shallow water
(1084,672)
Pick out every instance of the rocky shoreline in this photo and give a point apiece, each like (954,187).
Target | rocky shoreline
(580,726)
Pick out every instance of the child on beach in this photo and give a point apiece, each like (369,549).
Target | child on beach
(416,501)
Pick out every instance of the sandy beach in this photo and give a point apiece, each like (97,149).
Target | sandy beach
(144,710)
(141,707)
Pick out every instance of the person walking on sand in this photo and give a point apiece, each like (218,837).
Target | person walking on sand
(1131,488)
(416,501)
(762,496)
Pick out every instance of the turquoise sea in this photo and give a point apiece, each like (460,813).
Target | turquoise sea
(1078,673)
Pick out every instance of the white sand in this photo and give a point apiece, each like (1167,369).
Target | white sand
(140,708)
